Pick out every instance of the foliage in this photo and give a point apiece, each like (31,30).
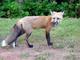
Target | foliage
(11,8)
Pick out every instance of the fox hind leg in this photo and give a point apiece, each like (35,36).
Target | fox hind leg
(27,36)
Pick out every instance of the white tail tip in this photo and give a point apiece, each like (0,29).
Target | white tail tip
(3,44)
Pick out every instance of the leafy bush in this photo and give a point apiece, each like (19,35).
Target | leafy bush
(29,8)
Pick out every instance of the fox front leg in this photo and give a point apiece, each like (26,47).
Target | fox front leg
(47,33)
(48,39)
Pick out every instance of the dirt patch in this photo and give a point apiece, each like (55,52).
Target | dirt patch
(36,53)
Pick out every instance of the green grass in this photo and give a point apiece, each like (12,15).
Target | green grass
(45,56)
(66,34)
(6,25)
(24,55)
(72,56)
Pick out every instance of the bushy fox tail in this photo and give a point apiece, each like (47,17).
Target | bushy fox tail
(15,33)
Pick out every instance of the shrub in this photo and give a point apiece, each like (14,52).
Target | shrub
(30,8)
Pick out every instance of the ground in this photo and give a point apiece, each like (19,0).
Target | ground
(37,53)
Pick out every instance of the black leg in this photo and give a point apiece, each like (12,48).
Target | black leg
(48,39)
(29,45)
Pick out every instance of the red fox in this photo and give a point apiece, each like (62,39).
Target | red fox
(28,23)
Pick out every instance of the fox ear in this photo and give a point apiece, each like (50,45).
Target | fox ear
(63,13)
(52,12)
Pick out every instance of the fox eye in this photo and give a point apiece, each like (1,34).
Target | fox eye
(54,18)
(58,18)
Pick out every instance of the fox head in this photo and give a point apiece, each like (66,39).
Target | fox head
(56,17)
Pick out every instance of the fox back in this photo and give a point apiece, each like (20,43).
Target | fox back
(41,21)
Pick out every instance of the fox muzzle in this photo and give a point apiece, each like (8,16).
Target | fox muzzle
(54,23)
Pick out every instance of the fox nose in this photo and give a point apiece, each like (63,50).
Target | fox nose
(54,23)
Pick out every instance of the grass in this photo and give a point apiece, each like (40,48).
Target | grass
(72,56)
(1,58)
(66,34)
(24,55)
(45,56)
(5,26)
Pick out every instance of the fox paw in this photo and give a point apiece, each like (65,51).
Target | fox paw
(30,46)
(50,44)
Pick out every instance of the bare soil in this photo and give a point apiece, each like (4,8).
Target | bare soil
(24,53)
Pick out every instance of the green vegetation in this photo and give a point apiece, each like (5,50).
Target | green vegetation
(24,55)
(12,8)
(70,57)
(45,56)
(6,25)
(66,34)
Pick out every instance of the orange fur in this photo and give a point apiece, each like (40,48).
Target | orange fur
(34,22)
